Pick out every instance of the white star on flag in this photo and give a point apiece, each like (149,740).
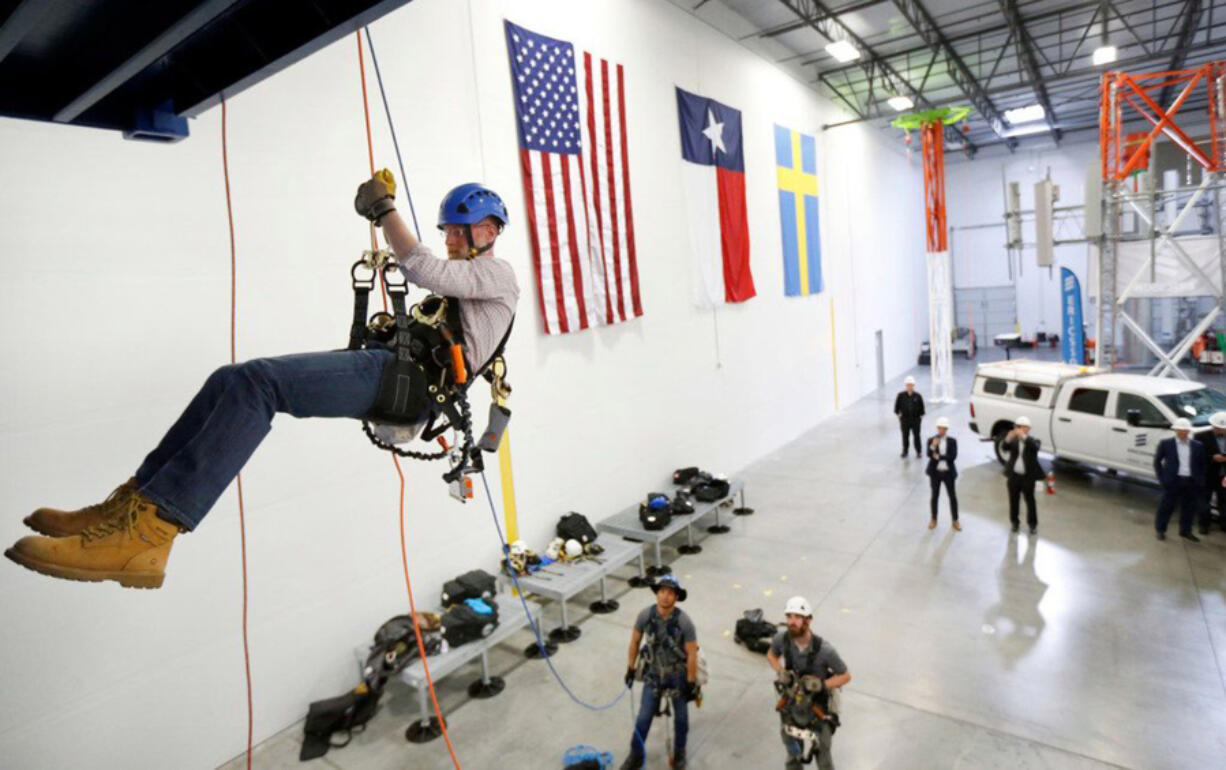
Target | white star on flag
(714,132)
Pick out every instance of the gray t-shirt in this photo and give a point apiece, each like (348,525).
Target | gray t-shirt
(826,659)
(486,286)
(684,624)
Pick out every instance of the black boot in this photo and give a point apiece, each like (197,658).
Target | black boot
(679,760)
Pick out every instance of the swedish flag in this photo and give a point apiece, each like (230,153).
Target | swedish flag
(796,170)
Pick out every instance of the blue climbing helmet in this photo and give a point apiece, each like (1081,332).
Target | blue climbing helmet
(469,204)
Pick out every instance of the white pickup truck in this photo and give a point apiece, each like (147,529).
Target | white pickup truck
(1085,415)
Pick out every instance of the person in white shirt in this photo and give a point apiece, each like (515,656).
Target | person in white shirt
(1022,470)
(942,453)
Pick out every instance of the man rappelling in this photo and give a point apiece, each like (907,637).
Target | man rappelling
(128,536)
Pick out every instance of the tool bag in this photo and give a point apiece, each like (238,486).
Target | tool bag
(655,513)
(711,490)
(477,584)
(684,475)
(754,632)
(471,620)
(342,715)
(681,505)
(575,526)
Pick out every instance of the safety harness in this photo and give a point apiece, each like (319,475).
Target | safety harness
(662,653)
(804,702)
(426,383)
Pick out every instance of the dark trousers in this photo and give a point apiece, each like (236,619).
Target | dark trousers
(1214,488)
(910,428)
(652,692)
(1184,492)
(1020,486)
(946,478)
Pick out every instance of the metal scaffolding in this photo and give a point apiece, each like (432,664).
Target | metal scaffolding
(1136,221)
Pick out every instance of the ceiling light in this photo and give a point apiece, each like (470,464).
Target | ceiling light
(1026,130)
(1104,54)
(1025,114)
(843,51)
(900,103)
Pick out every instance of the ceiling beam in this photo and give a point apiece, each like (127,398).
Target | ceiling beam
(792,26)
(926,27)
(1021,39)
(182,29)
(19,23)
(1193,9)
(1084,73)
(819,17)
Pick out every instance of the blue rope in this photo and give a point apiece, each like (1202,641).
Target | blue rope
(404,178)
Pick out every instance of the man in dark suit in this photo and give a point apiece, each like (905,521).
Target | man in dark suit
(1179,464)
(1215,449)
(909,408)
(1022,470)
(942,452)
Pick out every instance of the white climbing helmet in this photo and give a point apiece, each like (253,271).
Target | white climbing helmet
(798,605)
(574,548)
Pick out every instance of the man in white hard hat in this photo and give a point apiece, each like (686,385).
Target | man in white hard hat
(909,408)
(942,452)
(1179,464)
(1215,478)
(1022,471)
(802,660)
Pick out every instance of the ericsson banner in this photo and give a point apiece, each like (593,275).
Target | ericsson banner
(1072,338)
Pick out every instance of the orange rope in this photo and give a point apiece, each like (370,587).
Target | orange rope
(404,556)
(242,514)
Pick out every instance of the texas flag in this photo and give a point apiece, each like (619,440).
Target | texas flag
(713,174)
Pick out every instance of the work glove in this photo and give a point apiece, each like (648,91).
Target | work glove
(690,692)
(375,196)
(630,677)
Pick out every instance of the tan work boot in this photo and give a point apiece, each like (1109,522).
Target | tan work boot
(131,547)
(57,523)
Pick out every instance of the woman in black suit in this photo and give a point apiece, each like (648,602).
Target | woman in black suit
(942,452)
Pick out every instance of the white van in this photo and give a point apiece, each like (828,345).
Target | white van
(1081,414)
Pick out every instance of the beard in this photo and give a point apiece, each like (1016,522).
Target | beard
(796,633)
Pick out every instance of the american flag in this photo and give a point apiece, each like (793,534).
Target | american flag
(572,151)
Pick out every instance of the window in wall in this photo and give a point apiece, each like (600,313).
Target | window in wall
(1149,413)
(1088,401)
(995,387)
(1027,392)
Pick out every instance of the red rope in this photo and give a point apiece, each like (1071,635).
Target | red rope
(242,514)
(404,556)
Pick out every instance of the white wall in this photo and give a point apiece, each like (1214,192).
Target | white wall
(975,195)
(115,278)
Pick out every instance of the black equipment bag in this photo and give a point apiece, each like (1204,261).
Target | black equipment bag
(754,632)
(681,505)
(462,624)
(683,475)
(654,518)
(477,584)
(342,714)
(711,490)
(575,526)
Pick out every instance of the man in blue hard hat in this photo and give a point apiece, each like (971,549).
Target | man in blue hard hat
(128,537)
(664,655)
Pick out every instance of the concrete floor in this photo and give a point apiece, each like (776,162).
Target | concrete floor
(1090,645)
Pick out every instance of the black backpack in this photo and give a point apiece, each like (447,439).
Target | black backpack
(654,518)
(462,624)
(343,714)
(711,490)
(575,526)
(682,476)
(477,584)
(754,632)
(681,505)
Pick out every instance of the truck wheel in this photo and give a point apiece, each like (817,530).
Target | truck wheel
(998,444)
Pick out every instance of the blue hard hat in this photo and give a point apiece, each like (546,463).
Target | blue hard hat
(469,204)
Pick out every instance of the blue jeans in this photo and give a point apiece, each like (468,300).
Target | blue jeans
(647,712)
(222,426)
